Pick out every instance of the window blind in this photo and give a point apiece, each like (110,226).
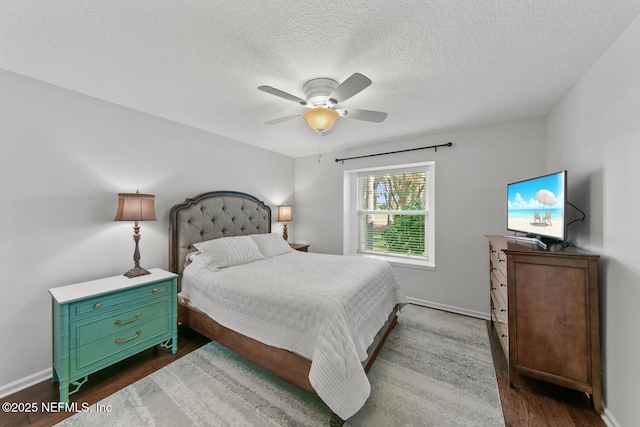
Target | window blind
(392,212)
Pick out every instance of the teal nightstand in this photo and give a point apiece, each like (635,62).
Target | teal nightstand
(101,322)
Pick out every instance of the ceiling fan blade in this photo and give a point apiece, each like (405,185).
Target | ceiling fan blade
(281,119)
(352,86)
(281,94)
(366,115)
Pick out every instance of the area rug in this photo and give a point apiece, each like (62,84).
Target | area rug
(435,369)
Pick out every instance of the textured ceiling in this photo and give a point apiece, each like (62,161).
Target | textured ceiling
(435,64)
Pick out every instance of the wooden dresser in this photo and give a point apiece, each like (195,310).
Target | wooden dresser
(544,307)
(101,322)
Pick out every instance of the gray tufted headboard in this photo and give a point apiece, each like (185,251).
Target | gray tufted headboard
(210,216)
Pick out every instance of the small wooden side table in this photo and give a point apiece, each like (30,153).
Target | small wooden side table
(302,247)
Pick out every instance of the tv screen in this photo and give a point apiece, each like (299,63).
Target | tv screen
(536,206)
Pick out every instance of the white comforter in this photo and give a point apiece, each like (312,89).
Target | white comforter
(328,308)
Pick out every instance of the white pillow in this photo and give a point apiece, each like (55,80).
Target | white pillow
(271,244)
(228,251)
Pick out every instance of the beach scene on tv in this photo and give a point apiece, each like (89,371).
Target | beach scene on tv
(536,206)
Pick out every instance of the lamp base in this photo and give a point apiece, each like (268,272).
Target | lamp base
(136,271)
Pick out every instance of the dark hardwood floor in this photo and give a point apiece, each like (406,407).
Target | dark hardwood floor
(531,403)
(101,384)
(538,403)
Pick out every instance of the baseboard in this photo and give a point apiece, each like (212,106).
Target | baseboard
(608,418)
(25,382)
(450,308)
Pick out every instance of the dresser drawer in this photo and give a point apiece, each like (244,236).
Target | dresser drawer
(499,308)
(501,263)
(96,327)
(493,253)
(502,330)
(91,306)
(112,348)
(498,259)
(499,282)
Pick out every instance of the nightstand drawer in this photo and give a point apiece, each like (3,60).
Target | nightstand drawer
(105,324)
(101,303)
(115,347)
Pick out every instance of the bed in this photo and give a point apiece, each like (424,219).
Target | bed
(222,218)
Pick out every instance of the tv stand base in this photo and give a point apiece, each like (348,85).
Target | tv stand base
(527,239)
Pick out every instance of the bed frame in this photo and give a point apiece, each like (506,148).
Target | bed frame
(230,213)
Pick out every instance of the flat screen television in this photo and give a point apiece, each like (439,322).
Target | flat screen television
(536,206)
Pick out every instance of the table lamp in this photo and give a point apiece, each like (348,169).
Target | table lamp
(135,207)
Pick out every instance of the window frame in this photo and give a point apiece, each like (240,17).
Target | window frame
(351,213)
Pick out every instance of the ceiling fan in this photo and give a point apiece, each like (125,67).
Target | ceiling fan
(322,95)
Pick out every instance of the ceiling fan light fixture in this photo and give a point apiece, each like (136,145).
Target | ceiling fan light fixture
(322,96)
(320,119)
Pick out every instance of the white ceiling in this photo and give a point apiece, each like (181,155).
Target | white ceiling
(435,64)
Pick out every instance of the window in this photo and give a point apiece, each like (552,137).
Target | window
(390,213)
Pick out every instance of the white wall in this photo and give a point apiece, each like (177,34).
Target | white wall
(471,201)
(594,133)
(63,158)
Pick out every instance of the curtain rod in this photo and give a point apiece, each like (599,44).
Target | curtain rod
(435,147)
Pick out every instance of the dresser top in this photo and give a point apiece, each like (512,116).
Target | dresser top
(512,246)
(69,293)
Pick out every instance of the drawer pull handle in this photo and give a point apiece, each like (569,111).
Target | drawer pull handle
(504,336)
(97,305)
(154,290)
(121,341)
(120,322)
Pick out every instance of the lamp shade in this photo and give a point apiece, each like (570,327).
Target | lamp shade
(320,119)
(284,213)
(135,207)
